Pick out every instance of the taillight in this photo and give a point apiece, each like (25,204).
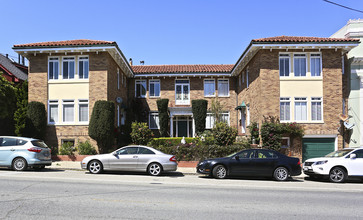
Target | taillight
(298,163)
(35,149)
(172,159)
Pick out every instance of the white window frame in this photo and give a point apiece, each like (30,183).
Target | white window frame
(83,102)
(68,102)
(307,109)
(306,63)
(74,69)
(311,108)
(79,59)
(214,87)
(212,121)
(228,116)
(154,81)
(53,61)
(321,64)
(53,102)
(182,101)
(223,80)
(157,122)
(285,100)
(142,82)
(284,56)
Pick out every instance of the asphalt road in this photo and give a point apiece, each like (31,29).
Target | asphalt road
(57,194)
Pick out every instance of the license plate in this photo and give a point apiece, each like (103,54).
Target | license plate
(306,168)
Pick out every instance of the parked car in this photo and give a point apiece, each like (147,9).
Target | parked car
(337,166)
(131,158)
(20,153)
(252,162)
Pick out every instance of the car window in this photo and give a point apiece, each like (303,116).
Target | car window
(339,153)
(143,150)
(265,154)
(247,154)
(20,142)
(128,150)
(8,142)
(39,143)
(359,153)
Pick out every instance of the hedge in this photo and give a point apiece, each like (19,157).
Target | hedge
(163,116)
(199,109)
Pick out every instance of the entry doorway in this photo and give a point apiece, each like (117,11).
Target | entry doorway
(183,126)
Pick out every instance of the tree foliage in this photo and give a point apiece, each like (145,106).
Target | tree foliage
(101,126)
(199,109)
(163,116)
(216,109)
(7,106)
(141,134)
(21,111)
(224,134)
(36,120)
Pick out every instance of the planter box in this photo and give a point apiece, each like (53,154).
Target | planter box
(69,158)
(188,164)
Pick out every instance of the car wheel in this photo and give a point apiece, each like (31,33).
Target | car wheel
(154,169)
(337,175)
(19,164)
(281,174)
(219,172)
(95,167)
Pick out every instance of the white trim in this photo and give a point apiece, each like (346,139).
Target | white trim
(66,102)
(214,85)
(289,101)
(321,63)
(289,58)
(182,75)
(322,108)
(78,65)
(300,57)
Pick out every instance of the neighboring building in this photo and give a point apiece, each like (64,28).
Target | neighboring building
(12,71)
(298,79)
(354,30)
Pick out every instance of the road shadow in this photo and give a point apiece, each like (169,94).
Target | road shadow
(326,180)
(172,174)
(290,179)
(34,170)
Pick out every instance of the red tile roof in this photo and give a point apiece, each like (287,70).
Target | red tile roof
(304,39)
(197,68)
(81,42)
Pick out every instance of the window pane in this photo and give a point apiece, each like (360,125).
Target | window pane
(315,67)
(55,70)
(300,66)
(178,92)
(223,88)
(83,112)
(209,88)
(284,67)
(53,113)
(157,89)
(300,111)
(65,70)
(138,89)
(71,70)
(85,73)
(152,90)
(186,92)
(68,113)
(51,74)
(80,69)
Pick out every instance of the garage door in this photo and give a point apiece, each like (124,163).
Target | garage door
(317,147)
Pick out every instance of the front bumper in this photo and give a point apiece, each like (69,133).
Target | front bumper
(203,168)
(315,170)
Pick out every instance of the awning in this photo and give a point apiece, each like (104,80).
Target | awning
(242,105)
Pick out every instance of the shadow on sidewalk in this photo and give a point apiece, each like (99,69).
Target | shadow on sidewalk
(164,174)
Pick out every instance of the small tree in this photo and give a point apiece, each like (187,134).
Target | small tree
(271,133)
(199,109)
(216,110)
(224,134)
(163,116)
(140,134)
(101,126)
(86,148)
(36,120)
(21,111)
(255,134)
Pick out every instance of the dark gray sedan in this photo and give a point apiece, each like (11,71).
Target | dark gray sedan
(131,158)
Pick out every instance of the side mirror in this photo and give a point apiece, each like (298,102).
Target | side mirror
(114,154)
(352,156)
(236,157)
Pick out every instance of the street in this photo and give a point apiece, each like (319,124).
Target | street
(67,194)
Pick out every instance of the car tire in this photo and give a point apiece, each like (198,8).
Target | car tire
(154,169)
(337,175)
(281,174)
(19,164)
(219,172)
(95,167)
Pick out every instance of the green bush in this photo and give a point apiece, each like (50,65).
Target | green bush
(21,111)
(36,121)
(169,141)
(207,138)
(140,134)
(67,149)
(224,134)
(199,109)
(254,131)
(101,125)
(271,133)
(86,148)
(163,116)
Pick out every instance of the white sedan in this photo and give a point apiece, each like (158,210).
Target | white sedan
(131,158)
(338,165)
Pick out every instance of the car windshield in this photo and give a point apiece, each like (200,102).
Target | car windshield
(339,153)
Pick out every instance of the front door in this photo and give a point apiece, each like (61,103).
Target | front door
(243,122)
(182,128)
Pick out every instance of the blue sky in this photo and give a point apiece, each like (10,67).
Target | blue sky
(171,31)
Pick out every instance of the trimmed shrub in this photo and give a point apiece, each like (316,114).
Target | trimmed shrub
(101,126)
(163,116)
(86,148)
(271,133)
(199,109)
(36,121)
(67,148)
(224,134)
(171,141)
(140,134)
(21,111)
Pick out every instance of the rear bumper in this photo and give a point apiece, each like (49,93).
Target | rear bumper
(296,172)
(35,162)
(170,166)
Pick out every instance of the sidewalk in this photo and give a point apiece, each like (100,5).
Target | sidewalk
(76,165)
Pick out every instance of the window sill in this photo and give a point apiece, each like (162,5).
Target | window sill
(154,97)
(66,81)
(69,124)
(225,96)
(304,122)
(301,78)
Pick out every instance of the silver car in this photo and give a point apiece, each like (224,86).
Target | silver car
(131,158)
(19,153)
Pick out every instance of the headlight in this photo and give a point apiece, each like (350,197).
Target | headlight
(321,162)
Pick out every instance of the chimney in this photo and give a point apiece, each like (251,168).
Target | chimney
(142,62)
(7,56)
(130,61)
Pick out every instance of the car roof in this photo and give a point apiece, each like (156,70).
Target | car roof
(22,138)
(150,148)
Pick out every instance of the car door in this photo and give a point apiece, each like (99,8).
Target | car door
(125,159)
(145,156)
(355,165)
(242,163)
(7,148)
(264,162)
